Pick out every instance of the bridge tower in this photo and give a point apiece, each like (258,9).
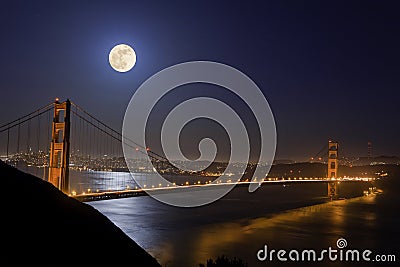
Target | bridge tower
(332,168)
(59,148)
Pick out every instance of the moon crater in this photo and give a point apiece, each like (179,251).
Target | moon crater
(122,58)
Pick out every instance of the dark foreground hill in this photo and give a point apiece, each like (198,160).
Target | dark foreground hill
(43,227)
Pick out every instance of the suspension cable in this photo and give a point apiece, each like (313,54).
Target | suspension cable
(20,121)
(27,115)
(116,132)
(322,150)
(116,138)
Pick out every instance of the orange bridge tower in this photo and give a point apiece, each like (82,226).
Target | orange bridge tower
(59,148)
(332,168)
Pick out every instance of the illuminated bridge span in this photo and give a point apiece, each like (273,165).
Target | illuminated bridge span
(82,156)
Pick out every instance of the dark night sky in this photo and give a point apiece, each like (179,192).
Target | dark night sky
(329,69)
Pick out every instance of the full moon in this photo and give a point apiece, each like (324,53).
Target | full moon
(122,58)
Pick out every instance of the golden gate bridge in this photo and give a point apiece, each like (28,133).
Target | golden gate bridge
(65,145)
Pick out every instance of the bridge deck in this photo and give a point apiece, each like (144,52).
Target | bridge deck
(141,192)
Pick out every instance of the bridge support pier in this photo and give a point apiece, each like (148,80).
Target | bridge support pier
(59,148)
